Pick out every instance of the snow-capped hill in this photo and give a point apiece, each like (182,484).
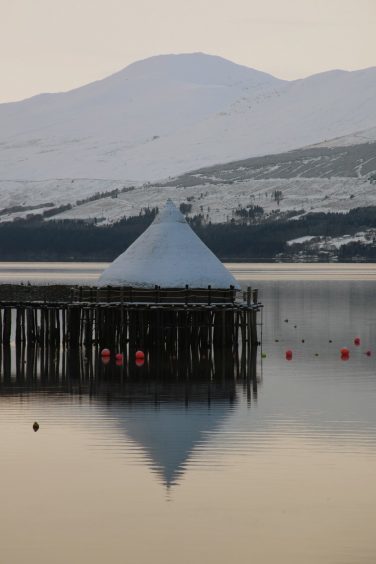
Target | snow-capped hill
(294,115)
(90,131)
(196,68)
(173,113)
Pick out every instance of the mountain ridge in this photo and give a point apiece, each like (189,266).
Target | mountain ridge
(169,114)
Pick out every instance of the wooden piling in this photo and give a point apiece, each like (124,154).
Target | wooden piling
(191,327)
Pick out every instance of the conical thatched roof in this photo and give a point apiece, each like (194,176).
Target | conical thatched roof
(170,255)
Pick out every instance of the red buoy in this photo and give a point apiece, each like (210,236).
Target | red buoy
(368,353)
(288,355)
(105,352)
(357,341)
(140,355)
(345,353)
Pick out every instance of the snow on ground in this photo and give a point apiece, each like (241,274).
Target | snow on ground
(300,240)
(58,191)
(107,129)
(334,243)
(358,137)
(218,202)
(337,242)
(170,114)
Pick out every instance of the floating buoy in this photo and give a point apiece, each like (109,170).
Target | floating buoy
(140,361)
(345,353)
(368,353)
(140,355)
(288,355)
(316,354)
(105,352)
(35,426)
(303,341)
(357,341)
(277,340)
(286,320)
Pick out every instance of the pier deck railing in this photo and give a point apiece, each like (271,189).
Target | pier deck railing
(173,321)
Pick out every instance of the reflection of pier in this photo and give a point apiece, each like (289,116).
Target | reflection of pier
(34,367)
(168,407)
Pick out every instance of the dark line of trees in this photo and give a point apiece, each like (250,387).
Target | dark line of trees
(49,240)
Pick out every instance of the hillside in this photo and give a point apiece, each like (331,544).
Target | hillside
(169,114)
(97,131)
(320,179)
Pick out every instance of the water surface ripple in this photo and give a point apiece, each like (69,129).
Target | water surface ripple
(276,467)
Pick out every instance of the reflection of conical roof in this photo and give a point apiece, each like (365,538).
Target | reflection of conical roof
(170,255)
(170,432)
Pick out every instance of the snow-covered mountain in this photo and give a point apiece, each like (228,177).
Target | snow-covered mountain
(170,114)
(97,131)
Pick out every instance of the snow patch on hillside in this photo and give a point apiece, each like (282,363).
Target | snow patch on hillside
(218,202)
(358,137)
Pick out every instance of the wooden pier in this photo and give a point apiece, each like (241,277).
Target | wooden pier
(115,319)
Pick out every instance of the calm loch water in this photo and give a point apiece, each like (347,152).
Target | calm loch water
(145,465)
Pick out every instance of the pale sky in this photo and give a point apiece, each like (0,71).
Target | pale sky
(55,45)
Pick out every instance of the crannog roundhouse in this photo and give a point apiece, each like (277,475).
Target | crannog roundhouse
(166,292)
(170,256)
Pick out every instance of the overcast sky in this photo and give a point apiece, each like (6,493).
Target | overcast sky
(54,45)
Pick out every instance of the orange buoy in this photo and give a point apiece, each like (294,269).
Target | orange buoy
(288,355)
(357,341)
(105,352)
(140,361)
(140,355)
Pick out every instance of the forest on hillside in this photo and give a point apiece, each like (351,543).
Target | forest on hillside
(52,240)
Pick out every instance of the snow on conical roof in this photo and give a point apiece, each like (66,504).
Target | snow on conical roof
(170,255)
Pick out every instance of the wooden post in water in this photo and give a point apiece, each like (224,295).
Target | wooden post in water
(7,329)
